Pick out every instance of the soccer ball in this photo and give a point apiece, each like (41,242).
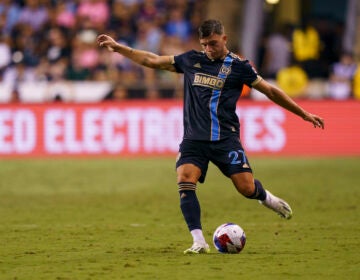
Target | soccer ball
(229,238)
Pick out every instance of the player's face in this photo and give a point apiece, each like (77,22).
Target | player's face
(214,46)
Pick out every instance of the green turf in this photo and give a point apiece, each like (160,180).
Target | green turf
(120,219)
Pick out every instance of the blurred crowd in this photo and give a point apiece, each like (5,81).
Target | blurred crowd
(55,40)
(308,60)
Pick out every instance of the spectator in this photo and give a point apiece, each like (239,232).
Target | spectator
(9,16)
(25,41)
(341,77)
(93,14)
(85,57)
(330,33)
(58,45)
(306,47)
(306,42)
(277,52)
(178,25)
(148,10)
(123,23)
(64,14)
(5,54)
(149,38)
(34,14)
(16,73)
(57,56)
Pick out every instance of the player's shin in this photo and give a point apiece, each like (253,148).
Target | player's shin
(259,191)
(190,208)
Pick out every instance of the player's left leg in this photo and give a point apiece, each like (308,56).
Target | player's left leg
(231,159)
(252,188)
(249,187)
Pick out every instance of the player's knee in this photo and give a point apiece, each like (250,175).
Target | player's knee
(188,173)
(244,183)
(187,177)
(246,188)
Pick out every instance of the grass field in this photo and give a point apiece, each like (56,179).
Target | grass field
(120,219)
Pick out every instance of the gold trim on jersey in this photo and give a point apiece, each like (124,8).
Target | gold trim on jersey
(258,80)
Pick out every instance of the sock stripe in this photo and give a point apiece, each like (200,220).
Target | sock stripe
(189,204)
(185,186)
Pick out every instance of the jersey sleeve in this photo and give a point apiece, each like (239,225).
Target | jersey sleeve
(250,76)
(181,61)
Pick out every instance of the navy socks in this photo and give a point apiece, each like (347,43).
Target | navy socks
(259,193)
(190,208)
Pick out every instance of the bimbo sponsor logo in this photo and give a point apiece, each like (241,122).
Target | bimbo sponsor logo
(208,81)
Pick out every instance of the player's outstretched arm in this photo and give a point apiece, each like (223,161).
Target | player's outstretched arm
(281,98)
(144,58)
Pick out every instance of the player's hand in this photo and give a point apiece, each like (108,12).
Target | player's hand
(107,42)
(315,120)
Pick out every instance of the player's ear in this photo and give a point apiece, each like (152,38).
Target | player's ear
(224,38)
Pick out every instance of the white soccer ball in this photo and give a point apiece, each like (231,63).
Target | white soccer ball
(229,238)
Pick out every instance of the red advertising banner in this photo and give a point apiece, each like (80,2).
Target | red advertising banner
(149,128)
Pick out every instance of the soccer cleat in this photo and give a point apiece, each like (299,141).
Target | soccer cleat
(278,205)
(198,248)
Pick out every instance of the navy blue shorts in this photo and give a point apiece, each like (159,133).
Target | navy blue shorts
(228,155)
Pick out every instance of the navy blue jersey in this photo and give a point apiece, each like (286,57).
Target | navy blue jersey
(211,91)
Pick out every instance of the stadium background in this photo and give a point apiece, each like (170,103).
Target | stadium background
(62,95)
(88,141)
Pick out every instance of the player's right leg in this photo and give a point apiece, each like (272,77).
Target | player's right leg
(198,248)
(188,175)
(191,167)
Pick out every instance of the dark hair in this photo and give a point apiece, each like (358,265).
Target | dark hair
(209,27)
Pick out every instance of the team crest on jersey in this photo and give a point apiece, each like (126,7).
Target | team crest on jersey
(225,70)
(208,81)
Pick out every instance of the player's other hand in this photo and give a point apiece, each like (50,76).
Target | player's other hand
(106,41)
(315,120)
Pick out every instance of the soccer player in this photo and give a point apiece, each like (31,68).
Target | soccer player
(213,79)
